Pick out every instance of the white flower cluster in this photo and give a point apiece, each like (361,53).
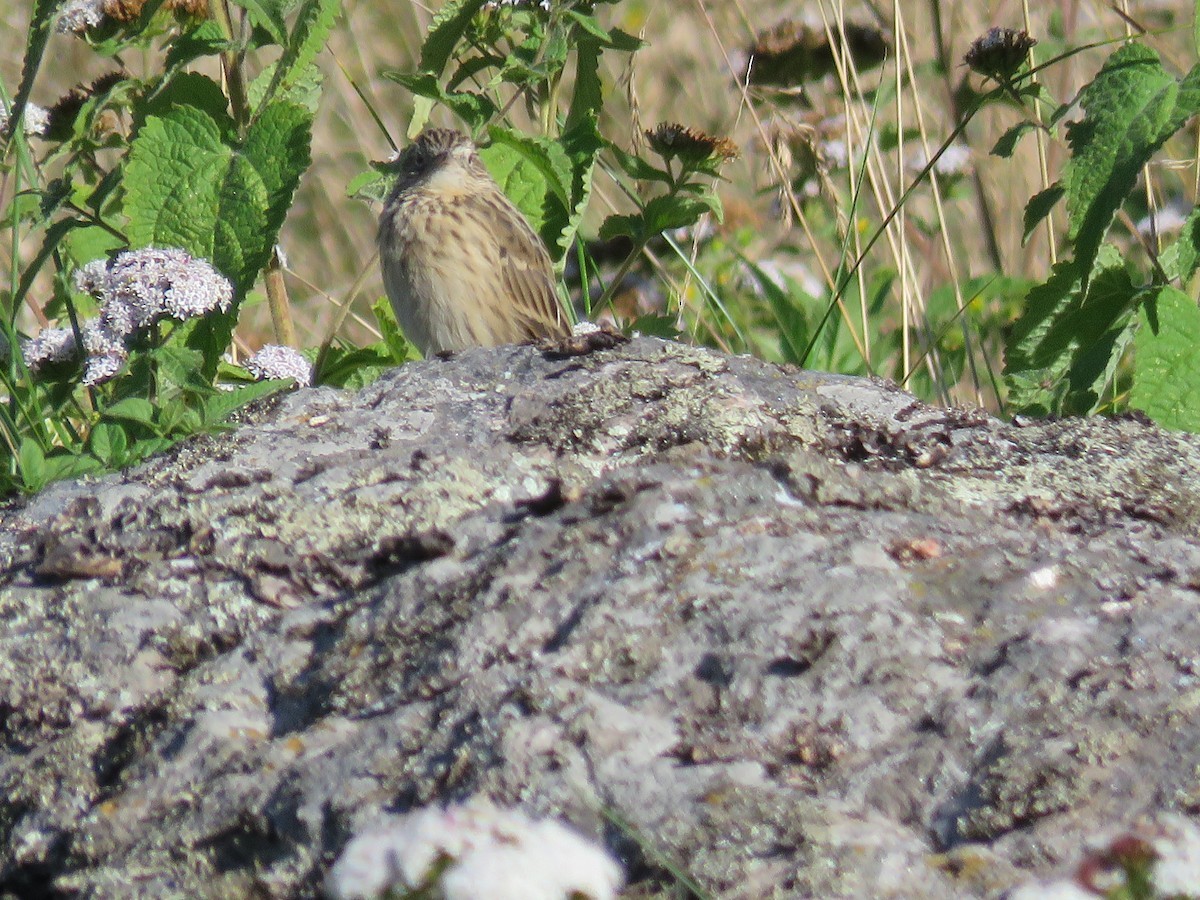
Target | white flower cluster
(275,361)
(51,346)
(474,851)
(135,290)
(78,16)
(37,120)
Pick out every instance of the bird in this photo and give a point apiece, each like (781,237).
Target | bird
(461,265)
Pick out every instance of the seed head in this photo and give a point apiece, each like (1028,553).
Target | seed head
(999,53)
(671,140)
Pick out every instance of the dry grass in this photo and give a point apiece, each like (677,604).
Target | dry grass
(691,71)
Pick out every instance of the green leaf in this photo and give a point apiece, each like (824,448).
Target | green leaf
(203,40)
(218,407)
(393,338)
(1039,206)
(188,185)
(303,88)
(32,465)
(474,109)
(445,31)
(132,409)
(1063,350)
(66,464)
(371,186)
(187,89)
(636,167)
(536,175)
(180,367)
(667,213)
(1131,107)
(620,225)
(313,24)
(1166,383)
(108,443)
(1181,258)
(582,142)
(356,368)
(792,321)
(1007,143)
(268,15)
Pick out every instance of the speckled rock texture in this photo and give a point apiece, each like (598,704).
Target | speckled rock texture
(784,633)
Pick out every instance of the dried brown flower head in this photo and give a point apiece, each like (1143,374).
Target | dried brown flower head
(670,140)
(129,10)
(999,53)
(63,113)
(792,54)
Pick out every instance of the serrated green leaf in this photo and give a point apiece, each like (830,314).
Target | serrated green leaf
(187,89)
(587,97)
(355,368)
(1131,107)
(203,40)
(636,167)
(1063,350)
(32,463)
(666,213)
(445,31)
(474,109)
(108,443)
(181,367)
(1182,257)
(187,187)
(268,15)
(393,338)
(131,409)
(219,406)
(303,88)
(370,186)
(1007,143)
(172,181)
(1166,382)
(308,36)
(536,175)
(582,142)
(1039,206)
(619,225)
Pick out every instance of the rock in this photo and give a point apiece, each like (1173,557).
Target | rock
(772,632)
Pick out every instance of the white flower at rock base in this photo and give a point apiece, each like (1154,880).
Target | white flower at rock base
(275,361)
(474,851)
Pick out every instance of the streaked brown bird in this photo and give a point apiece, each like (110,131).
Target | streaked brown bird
(461,265)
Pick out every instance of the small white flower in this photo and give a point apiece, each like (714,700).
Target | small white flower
(275,361)
(480,852)
(78,16)
(50,346)
(1166,220)
(101,338)
(91,277)
(953,161)
(100,369)
(37,120)
(1177,843)
(1050,890)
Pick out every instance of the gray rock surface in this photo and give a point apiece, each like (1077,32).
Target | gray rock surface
(788,634)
